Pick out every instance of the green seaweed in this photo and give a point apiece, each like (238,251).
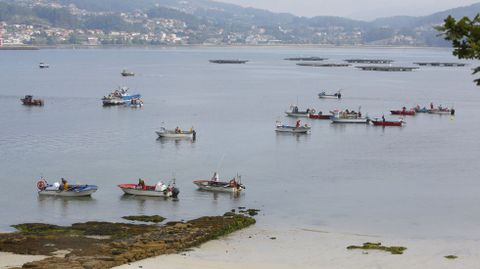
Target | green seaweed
(145,218)
(451,257)
(397,250)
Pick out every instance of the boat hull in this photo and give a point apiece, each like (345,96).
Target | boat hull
(208,185)
(353,120)
(174,135)
(387,123)
(292,129)
(320,117)
(86,190)
(297,114)
(132,189)
(403,113)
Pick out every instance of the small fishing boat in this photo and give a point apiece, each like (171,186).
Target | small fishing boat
(404,112)
(159,190)
(55,189)
(119,97)
(126,73)
(324,95)
(29,101)
(348,117)
(176,133)
(320,116)
(294,112)
(235,185)
(381,122)
(43,65)
(228,61)
(298,128)
(442,111)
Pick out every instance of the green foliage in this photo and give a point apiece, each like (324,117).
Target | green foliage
(464,35)
(144,218)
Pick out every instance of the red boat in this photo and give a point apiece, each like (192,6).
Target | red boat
(404,112)
(319,116)
(29,101)
(387,123)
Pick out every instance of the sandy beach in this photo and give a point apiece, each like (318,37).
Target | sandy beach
(9,260)
(258,247)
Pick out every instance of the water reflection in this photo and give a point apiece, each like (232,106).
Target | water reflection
(66,205)
(218,195)
(175,141)
(283,136)
(143,202)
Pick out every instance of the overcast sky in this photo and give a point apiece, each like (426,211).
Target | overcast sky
(356,9)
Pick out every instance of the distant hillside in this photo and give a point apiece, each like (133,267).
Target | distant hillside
(221,23)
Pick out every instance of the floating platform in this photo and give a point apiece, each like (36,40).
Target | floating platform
(323,65)
(228,61)
(387,68)
(369,61)
(306,59)
(440,64)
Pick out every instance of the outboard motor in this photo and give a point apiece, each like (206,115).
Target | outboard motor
(175,192)
(452,112)
(194,134)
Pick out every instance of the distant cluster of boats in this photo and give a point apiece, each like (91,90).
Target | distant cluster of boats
(351,116)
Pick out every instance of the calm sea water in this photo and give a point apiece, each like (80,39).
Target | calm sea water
(421,180)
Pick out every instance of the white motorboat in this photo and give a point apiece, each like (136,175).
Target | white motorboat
(298,128)
(348,117)
(235,185)
(294,112)
(159,190)
(73,190)
(324,95)
(176,133)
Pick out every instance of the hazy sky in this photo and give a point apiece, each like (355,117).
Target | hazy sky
(357,9)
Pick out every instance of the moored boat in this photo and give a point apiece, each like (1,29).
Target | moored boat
(419,109)
(43,65)
(294,112)
(228,61)
(29,101)
(176,133)
(56,189)
(234,186)
(404,112)
(320,116)
(298,128)
(119,97)
(135,103)
(442,111)
(324,95)
(348,117)
(159,190)
(382,122)
(126,73)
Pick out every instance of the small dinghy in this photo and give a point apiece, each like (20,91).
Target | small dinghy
(419,109)
(404,112)
(235,185)
(294,112)
(43,65)
(176,133)
(298,128)
(324,95)
(64,190)
(135,103)
(159,190)
(29,101)
(126,73)
(383,122)
(348,117)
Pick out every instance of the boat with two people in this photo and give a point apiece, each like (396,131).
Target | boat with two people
(383,122)
(64,189)
(126,73)
(119,97)
(404,112)
(298,128)
(176,133)
(215,184)
(29,101)
(324,95)
(348,116)
(158,190)
(294,112)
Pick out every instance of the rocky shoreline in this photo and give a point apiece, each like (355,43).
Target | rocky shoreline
(99,245)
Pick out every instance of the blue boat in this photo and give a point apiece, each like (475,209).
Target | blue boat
(119,97)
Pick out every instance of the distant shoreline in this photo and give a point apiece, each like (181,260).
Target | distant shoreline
(305,46)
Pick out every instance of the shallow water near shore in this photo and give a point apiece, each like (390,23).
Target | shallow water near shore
(417,181)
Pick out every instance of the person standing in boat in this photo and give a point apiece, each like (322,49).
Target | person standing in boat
(383,118)
(141,184)
(297,125)
(215,177)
